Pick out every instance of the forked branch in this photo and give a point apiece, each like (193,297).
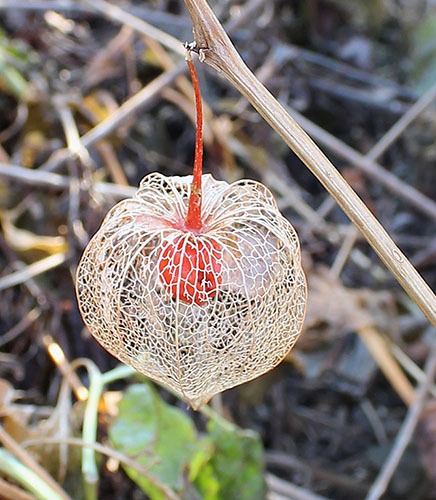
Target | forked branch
(217,50)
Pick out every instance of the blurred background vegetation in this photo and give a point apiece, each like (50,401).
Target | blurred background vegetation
(90,105)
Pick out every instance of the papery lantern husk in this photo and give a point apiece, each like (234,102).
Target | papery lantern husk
(246,323)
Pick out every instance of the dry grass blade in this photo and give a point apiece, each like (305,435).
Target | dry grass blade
(387,363)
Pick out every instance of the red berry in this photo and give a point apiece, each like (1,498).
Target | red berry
(190,268)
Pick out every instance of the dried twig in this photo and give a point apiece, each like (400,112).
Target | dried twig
(216,49)
(290,490)
(406,432)
(119,15)
(366,163)
(371,168)
(375,152)
(387,363)
(288,462)
(129,108)
(21,326)
(40,178)
(32,270)
(400,126)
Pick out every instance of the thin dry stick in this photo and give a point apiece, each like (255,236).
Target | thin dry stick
(410,367)
(70,128)
(344,252)
(128,109)
(119,15)
(60,360)
(282,487)
(21,326)
(307,469)
(387,363)
(146,95)
(406,432)
(369,167)
(32,270)
(49,180)
(367,163)
(400,126)
(23,456)
(375,152)
(217,50)
(132,106)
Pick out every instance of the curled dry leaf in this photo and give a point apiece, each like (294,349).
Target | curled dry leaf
(197,310)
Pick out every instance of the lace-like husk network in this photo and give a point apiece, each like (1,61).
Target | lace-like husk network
(242,330)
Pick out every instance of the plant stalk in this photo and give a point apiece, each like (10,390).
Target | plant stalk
(193,217)
(216,49)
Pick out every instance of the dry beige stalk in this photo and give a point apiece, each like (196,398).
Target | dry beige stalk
(217,50)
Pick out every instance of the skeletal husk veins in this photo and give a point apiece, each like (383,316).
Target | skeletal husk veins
(203,311)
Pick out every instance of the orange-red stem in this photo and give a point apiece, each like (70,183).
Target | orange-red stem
(193,217)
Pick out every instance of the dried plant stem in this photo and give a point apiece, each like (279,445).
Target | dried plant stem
(387,363)
(292,464)
(217,50)
(118,14)
(32,270)
(285,489)
(39,178)
(367,164)
(406,432)
(375,152)
(400,126)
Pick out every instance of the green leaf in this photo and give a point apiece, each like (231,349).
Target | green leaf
(11,79)
(158,436)
(227,463)
(202,473)
(237,462)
